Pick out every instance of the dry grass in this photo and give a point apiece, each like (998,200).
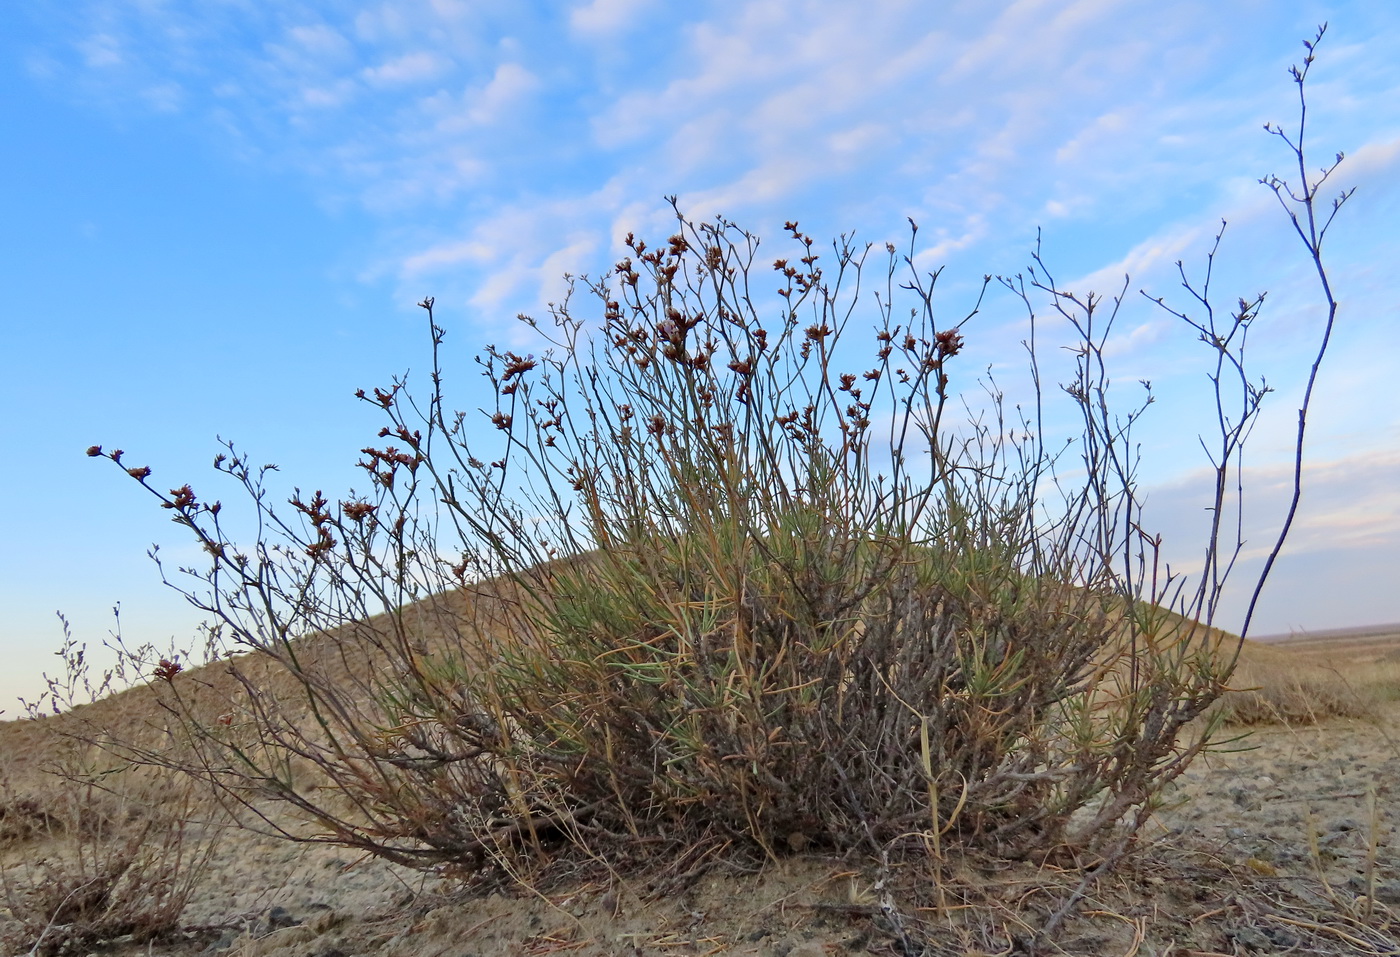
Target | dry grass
(1312,680)
(91,850)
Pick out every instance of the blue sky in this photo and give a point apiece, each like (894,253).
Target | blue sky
(219,216)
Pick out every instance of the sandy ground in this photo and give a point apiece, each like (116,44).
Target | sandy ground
(1285,846)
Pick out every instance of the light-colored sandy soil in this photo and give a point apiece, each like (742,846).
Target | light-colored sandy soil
(1286,846)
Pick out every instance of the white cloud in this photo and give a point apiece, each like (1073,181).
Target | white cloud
(580,250)
(1110,125)
(485,104)
(417,67)
(1142,335)
(641,219)
(1348,502)
(511,84)
(946,242)
(1373,160)
(327,97)
(857,139)
(1153,257)
(767,184)
(450,10)
(513,259)
(42,67)
(382,23)
(164,97)
(1002,47)
(321,41)
(605,18)
(445,255)
(101,50)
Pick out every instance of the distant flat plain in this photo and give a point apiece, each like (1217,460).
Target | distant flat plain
(1364,642)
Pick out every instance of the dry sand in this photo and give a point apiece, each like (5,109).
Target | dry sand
(1286,847)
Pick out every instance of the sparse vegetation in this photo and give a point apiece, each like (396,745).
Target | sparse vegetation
(93,847)
(101,852)
(1300,685)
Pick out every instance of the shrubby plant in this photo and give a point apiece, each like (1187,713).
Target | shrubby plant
(115,852)
(709,578)
(92,848)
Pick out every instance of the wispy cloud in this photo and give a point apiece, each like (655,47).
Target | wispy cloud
(316,44)
(417,67)
(507,88)
(446,254)
(101,51)
(1348,518)
(607,18)
(506,140)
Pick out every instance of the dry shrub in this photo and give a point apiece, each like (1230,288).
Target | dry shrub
(716,592)
(92,851)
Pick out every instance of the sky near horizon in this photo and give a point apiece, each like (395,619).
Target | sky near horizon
(219,217)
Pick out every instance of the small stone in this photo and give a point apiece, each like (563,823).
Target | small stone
(1251,937)
(1282,937)
(274,918)
(281,917)
(1388,892)
(223,942)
